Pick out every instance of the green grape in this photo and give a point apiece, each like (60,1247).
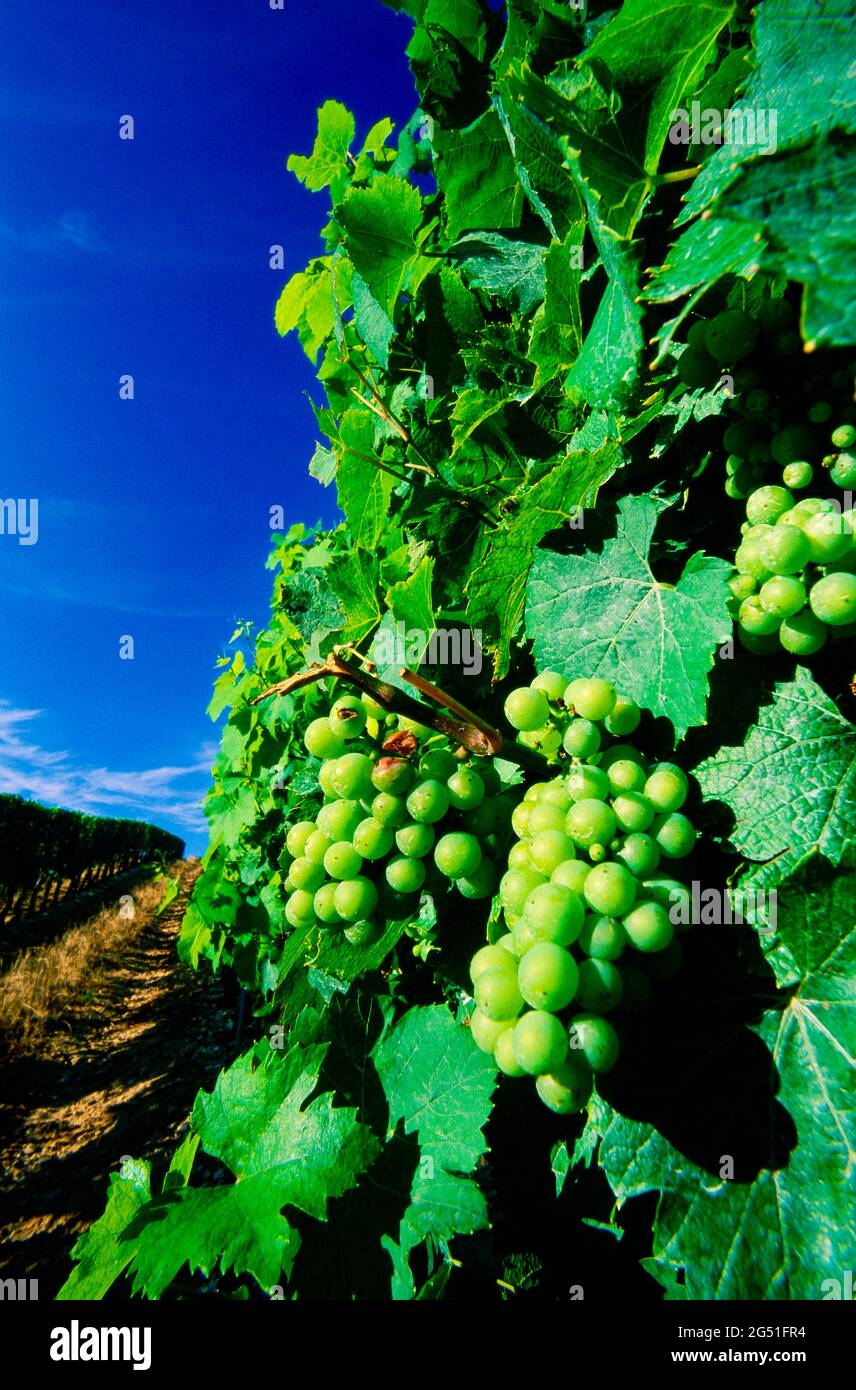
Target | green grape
(648,926)
(428,802)
(667,787)
(843,436)
(342,861)
(492,958)
(504,1054)
(515,887)
(596,1039)
(748,558)
(754,618)
(339,820)
(633,811)
(571,874)
(843,471)
(324,906)
(405,875)
(373,840)
(639,853)
(393,775)
(624,718)
(599,989)
(544,815)
(555,912)
(597,853)
(669,893)
(437,765)
(626,776)
(806,507)
(306,874)
(325,778)
(547,976)
(732,463)
(466,789)
(622,752)
(457,854)
(756,403)
(352,776)
(507,944)
(602,937)
(355,899)
(581,738)
(539,1042)
(556,794)
(348,718)
(415,840)
(587,784)
(784,550)
(793,444)
(371,707)
(322,740)
(590,822)
(610,890)
(480,883)
(697,368)
(520,817)
(300,908)
(363,933)
(549,849)
(497,994)
(546,740)
(820,412)
(759,452)
(833,599)
(782,595)
(551,683)
(696,334)
(739,437)
(519,856)
(675,835)
(566,1090)
(487,1031)
(486,818)
(731,335)
(317,846)
(774,315)
(297,836)
(827,536)
(767,504)
(591,699)
(527,709)
(797,475)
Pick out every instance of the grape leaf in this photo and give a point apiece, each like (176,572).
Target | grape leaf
(476,173)
(512,270)
(603,613)
(380,225)
(364,488)
(100,1253)
(329,158)
(307,303)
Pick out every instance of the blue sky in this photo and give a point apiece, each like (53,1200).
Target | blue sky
(150,257)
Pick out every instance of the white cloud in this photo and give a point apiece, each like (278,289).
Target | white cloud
(154,794)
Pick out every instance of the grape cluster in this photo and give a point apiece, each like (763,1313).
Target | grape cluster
(584,884)
(391,823)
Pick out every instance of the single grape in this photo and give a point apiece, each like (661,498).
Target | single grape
(784,550)
(405,875)
(571,874)
(626,776)
(555,912)
(669,893)
(696,334)
(622,752)
(487,1031)
(546,740)
(639,853)
(363,933)
(774,315)
(697,369)
(297,836)
(667,787)
(479,884)
(338,820)
(843,471)
(504,1054)
(827,537)
(739,437)
(547,976)
(428,802)
(304,873)
(633,811)
(519,856)
(324,906)
(590,698)
(567,1089)
(527,709)
(539,1042)
(549,849)
(820,412)
(597,853)
(437,764)
(322,740)
(342,861)
(317,846)
(731,335)
(348,718)
(352,776)
(754,618)
(465,788)
(556,794)
(497,994)
(393,775)
(325,778)
(767,504)
(581,738)
(600,986)
(373,840)
(648,926)
(843,436)
(748,558)
(783,595)
(520,817)
(793,444)
(300,908)
(624,718)
(756,403)
(590,822)
(596,1039)
(802,634)
(415,840)
(610,889)
(515,887)
(833,599)
(492,958)
(507,944)
(552,684)
(797,475)
(603,938)
(545,815)
(675,835)
(587,784)
(457,854)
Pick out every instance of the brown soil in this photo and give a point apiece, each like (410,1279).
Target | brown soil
(117,1076)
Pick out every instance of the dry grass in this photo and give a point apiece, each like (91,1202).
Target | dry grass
(46,984)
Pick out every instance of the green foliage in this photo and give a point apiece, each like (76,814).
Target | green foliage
(516,464)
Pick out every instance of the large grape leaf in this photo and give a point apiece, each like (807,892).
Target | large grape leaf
(439,1087)
(511,270)
(604,613)
(476,173)
(790,779)
(380,225)
(783,1232)
(100,1253)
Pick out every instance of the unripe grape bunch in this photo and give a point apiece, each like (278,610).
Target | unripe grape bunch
(392,823)
(586,895)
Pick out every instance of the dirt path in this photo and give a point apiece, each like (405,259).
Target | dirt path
(147,1035)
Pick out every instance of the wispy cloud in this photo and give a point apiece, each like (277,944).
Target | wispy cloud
(72,228)
(171,793)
